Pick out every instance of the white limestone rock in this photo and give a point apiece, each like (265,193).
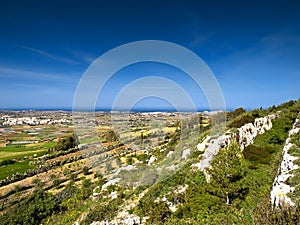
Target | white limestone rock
(151,160)
(249,131)
(127,168)
(294,131)
(203,145)
(133,220)
(170,153)
(185,153)
(280,189)
(226,141)
(114,195)
(181,189)
(111,182)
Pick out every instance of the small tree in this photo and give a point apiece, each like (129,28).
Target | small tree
(227,175)
(66,143)
(85,170)
(38,184)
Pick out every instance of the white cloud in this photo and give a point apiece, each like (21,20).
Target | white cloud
(200,39)
(12,73)
(49,55)
(85,57)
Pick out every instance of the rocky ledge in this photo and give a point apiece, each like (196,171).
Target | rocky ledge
(280,189)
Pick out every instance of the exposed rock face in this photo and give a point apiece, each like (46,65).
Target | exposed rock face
(249,131)
(212,148)
(227,139)
(186,153)
(170,153)
(123,217)
(173,207)
(280,188)
(134,220)
(111,182)
(152,160)
(246,136)
(126,168)
(203,145)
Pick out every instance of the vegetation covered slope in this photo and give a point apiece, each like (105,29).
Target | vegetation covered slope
(237,192)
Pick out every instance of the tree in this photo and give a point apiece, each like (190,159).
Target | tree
(85,170)
(32,210)
(237,112)
(66,143)
(38,184)
(227,175)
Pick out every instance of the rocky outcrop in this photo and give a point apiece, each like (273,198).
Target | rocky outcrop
(152,160)
(249,131)
(170,153)
(129,220)
(125,168)
(212,148)
(280,189)
(172,206)
(244,137)
(123,217)
(186,153)
(109,183)
(203,145)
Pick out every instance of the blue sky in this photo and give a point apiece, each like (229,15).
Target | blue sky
(253,48)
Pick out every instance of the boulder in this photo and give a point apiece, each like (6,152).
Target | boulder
(152,160)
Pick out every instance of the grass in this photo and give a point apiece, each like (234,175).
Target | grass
(19,167)
(12,148)
(17,153)
(41,145)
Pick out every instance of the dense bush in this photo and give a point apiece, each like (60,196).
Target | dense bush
(85,170)
(32,210)
(6,162)
(241,120)
(237,112)
(66,143)
(259,154)
(284,215)
(103,212)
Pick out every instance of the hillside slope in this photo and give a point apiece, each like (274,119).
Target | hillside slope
(226,178)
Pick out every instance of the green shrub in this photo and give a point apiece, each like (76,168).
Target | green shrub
(241,120)
(259,154)
(6,162)
(66,143)
(85,170)
(103,212)
(32,210)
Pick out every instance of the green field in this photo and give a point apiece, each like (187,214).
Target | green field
(19,167)
(19,155)
(12,152)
